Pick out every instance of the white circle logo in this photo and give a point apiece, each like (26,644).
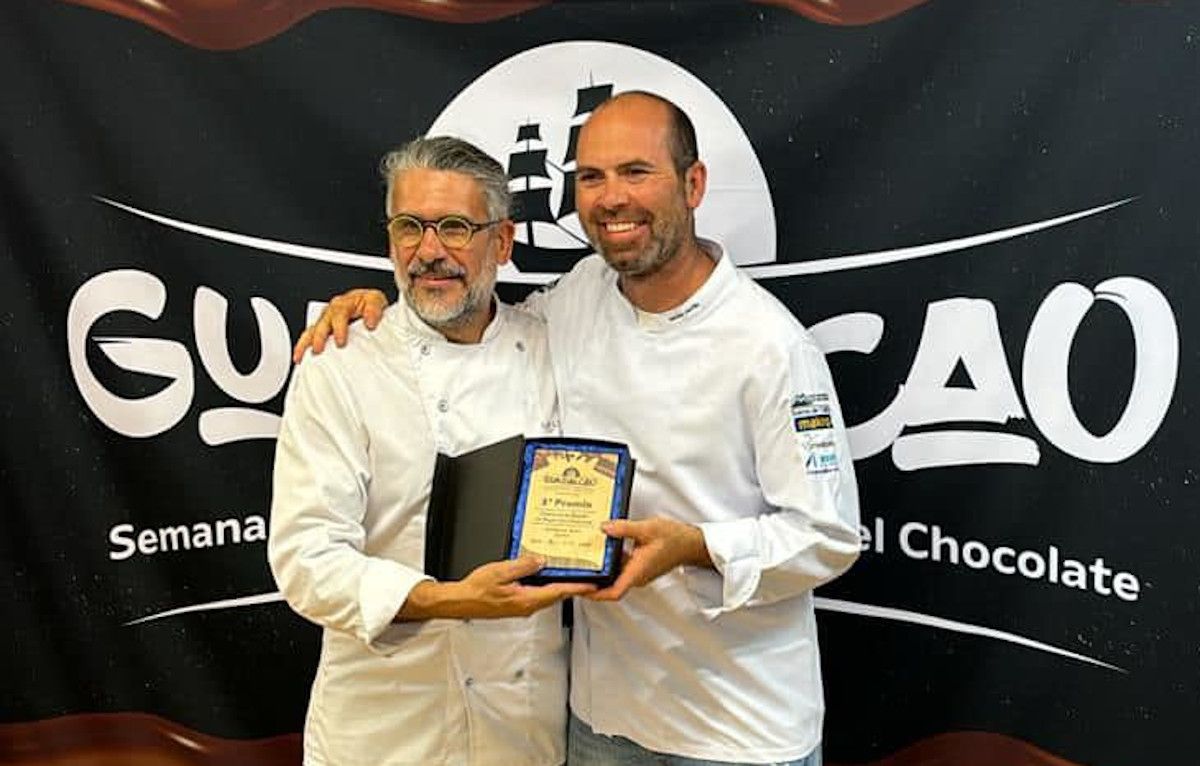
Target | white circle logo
(527,110)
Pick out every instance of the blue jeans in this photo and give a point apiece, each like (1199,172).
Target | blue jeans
(587,748)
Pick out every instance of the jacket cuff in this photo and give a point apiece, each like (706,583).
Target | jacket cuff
(733,549)
(383,589)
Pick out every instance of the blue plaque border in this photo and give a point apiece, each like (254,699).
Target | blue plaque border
(618,510)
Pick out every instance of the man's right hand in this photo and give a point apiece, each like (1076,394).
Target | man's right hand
(489,591)
(365,302)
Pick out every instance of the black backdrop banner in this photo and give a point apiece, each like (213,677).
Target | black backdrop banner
(985,212)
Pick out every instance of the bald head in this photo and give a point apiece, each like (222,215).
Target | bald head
(680,132)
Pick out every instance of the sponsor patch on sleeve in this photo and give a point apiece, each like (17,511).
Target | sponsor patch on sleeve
(812,421)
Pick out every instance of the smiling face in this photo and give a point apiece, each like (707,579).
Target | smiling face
(634,206)
(450,289)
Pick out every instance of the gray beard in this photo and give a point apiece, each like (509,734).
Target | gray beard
(478,298)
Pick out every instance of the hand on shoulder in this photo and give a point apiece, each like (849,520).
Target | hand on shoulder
(366,303)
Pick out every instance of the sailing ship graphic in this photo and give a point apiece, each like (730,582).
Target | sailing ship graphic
(549,239)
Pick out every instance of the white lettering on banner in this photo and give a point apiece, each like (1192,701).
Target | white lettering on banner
(145,294)
(1047,349)
(957,331)
(871,538)
(126,540)
(965,331)
(209,316)
(921,541)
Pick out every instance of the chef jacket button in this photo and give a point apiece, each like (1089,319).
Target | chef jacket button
(424,349)
(443,405)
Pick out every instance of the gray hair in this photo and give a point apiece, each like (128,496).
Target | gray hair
(455,155)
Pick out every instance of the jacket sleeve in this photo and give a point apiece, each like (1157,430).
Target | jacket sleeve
(558,300)
(804,469)
(319,500)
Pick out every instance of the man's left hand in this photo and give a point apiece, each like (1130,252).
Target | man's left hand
(659,545)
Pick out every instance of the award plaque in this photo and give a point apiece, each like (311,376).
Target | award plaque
(568,488)
(546,497)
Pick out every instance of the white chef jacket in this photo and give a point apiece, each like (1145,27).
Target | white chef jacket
(728,406)
(361,428)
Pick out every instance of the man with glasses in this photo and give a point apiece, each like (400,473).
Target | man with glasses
(704,650)
(413,670)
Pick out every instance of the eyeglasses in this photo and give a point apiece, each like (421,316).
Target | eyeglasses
(453,231)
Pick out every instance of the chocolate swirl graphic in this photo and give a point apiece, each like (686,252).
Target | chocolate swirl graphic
(139,739)
(845,12)
(134,739)
(969,748)
(232,24)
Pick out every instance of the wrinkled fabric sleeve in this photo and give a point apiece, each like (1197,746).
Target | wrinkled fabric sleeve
(812,535)
(538,301)
(319,501)
(558,300)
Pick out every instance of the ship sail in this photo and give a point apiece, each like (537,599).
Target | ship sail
(530,131)
(572,141)
(532,205)
(587,99)
(567,205)
(528,164)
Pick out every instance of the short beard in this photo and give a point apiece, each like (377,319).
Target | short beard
(476,299)
(646,263)
(665,243)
